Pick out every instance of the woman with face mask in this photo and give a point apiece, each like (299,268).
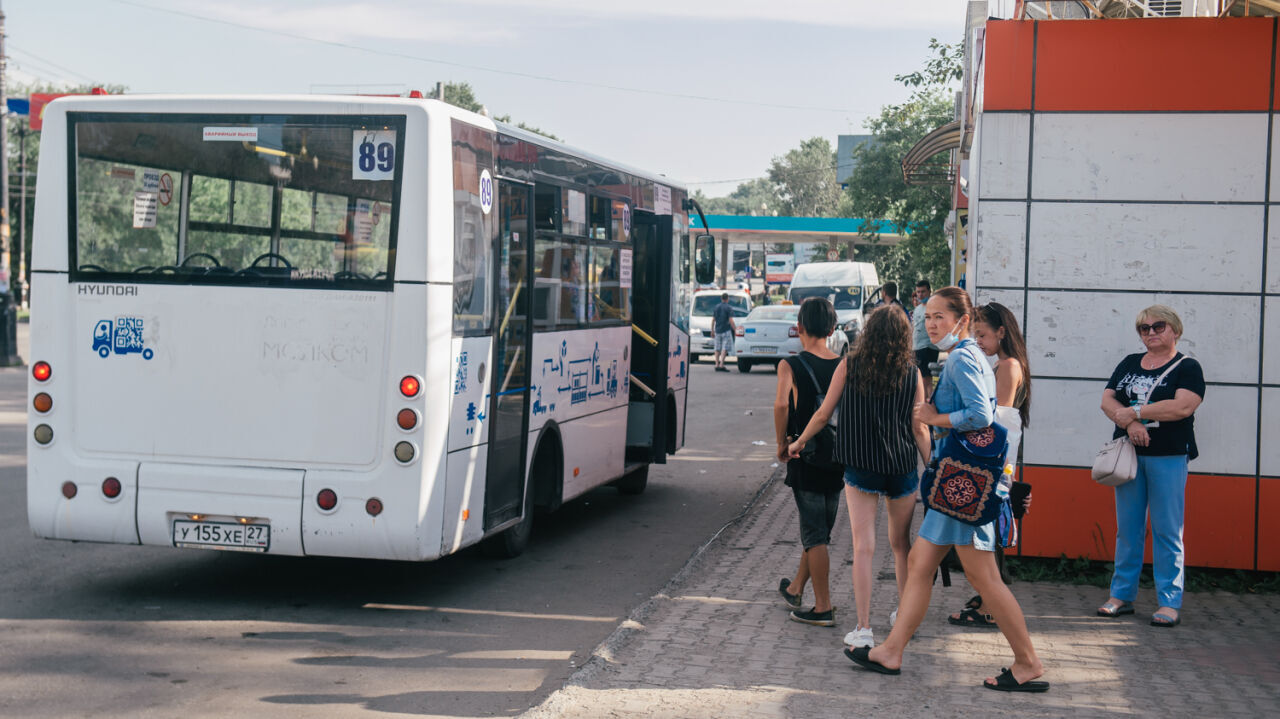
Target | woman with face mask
(996,332)
(963,401)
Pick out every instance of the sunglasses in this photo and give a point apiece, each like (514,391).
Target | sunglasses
(1153,328)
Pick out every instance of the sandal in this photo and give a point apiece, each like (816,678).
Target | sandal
(972,618)
(1112,610)
(862,657)
(1164,620)
(1006,683)
(974,603)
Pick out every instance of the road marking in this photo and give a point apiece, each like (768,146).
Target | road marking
(490,613)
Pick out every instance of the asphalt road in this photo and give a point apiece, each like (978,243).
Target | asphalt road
(129,631)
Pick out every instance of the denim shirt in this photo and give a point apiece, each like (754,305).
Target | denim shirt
(966,392)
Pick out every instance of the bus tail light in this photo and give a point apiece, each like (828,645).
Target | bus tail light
(111,487)
(42,402)
(373,506)
(404,452)
(407,419)
(327,499)
(410,386)
(68,489)
(43,433)
(793,331)
(41,371)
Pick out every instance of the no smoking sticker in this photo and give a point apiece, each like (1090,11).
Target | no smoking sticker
(166,189)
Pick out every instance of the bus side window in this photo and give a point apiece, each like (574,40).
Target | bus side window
(473,231)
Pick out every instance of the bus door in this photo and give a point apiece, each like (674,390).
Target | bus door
(650,314)
(509,409)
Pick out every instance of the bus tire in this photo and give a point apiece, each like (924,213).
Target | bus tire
(512,541)
(635,482)
(744,365)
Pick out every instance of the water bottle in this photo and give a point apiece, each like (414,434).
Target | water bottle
(1006,481)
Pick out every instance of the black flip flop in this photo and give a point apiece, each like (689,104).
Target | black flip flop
(972,618)
(974,603)
(1124,608)
(1006,683)
(862,657)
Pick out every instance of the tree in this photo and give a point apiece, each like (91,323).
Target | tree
(461,94)
(805,179)
(754,197)
(877,190)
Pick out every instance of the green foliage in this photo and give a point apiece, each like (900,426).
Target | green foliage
(805,179)
(878,190)
(461,94)
(1086,572)
(754,197)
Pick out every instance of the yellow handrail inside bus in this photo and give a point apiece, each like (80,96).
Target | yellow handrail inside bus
(644,335)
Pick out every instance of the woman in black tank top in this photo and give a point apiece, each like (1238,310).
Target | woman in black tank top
(816,490)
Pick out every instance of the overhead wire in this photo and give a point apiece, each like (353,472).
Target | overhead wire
(482,68)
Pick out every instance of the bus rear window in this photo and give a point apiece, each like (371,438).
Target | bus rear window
(215,199)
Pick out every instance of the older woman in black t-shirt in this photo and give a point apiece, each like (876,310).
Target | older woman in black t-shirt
(1159,420)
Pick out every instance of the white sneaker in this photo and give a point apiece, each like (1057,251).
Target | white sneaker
(860,637)
(893,617)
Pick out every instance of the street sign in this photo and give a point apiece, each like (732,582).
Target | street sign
(833,255)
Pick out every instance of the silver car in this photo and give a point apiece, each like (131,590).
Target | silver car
(770,334)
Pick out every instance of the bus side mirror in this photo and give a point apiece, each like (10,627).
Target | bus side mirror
(704,259)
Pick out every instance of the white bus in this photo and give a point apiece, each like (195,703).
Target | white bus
(344,326)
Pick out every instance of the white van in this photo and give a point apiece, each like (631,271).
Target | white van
(701,335)
(847,284)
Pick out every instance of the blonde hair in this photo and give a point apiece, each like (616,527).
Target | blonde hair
(1161,313)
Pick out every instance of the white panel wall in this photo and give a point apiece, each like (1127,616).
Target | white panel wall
(1271,347)
(1086,334)
(1273,250)
(1002,231)
(1002,167)
(1162,157)
(1067,427)
(1009,298)
(1206,248)
(1270,454)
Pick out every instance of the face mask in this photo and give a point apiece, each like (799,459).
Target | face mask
(993,360)
(950,340)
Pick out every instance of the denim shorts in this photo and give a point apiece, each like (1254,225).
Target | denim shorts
(817,516)
(891,486)
(724,341)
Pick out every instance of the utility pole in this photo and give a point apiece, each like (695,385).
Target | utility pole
(8,317)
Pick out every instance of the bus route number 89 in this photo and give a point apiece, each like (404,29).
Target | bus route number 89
(382,156)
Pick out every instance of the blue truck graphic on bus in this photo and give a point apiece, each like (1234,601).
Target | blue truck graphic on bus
(123,337)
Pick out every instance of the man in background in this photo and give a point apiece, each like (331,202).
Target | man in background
(723,328)
(924,350)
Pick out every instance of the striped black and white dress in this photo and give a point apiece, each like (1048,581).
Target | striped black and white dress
(874,433)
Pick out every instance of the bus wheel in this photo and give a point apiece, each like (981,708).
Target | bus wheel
(744,365)
(635,482)
(511,542)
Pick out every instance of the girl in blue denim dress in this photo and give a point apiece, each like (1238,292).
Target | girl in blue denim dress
(963,400)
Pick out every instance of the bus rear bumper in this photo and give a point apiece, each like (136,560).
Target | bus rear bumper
(245,495)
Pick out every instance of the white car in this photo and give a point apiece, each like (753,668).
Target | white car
(770,334)
(702,335)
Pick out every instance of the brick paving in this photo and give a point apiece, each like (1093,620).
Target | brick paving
(717,642)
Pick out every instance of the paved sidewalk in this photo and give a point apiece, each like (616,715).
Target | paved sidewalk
(717,642)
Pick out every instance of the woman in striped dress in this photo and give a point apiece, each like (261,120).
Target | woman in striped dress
(877,441)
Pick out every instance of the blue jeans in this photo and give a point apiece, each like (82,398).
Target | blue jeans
(1159,488)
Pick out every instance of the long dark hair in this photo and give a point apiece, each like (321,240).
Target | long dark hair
(882,354)
(995,316)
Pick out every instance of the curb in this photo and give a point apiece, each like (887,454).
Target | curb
(603,653)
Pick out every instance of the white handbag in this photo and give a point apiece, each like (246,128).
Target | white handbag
(1117,462)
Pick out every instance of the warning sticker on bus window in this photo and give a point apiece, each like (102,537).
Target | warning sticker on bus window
(231,134)
(373,155)
(624,269)
(145,205)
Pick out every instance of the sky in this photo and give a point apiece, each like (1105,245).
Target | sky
(706,92)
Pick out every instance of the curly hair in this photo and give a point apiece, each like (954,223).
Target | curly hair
(882,354)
